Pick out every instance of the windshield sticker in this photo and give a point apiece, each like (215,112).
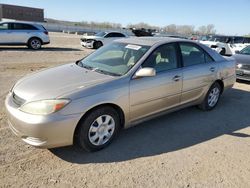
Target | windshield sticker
(133,47)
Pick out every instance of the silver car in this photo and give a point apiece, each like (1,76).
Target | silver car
(119,85)
(243,64)
(18,33)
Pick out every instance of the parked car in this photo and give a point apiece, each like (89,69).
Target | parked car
(119,85)
(172,36)
(227,45)
(243,64)
(143,32)
(100,39)
(18,33)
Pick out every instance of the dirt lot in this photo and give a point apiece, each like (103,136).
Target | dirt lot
(189,148)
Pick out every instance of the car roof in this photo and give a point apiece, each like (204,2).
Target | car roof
(17,22)
(150,41)
(40,26)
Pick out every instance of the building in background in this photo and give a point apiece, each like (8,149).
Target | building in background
(20,13)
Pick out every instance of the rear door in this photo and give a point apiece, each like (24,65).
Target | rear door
(150,95)
(5,32)
(21,33)
(199,71)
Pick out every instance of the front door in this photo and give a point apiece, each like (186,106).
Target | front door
(150,95)
(5,33)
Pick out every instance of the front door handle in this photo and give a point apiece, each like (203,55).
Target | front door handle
(176,78)
(212,69)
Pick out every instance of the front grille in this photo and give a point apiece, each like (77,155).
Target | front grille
(83,40)
(17,100)
(245,67)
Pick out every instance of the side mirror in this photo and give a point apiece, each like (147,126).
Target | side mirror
(237,51)
(145,72)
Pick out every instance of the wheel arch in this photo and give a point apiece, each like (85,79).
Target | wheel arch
(221,83)
(112,105)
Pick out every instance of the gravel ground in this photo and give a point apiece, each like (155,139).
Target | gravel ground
(188,148)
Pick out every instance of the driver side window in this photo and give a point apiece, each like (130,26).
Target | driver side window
(163,58)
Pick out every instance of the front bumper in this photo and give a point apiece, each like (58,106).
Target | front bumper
(49,131)
(88,44)
(243,74)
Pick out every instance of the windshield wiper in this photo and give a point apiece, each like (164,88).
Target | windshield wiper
(106,72)
(79,63)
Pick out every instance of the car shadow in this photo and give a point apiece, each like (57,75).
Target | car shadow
(172,132)
(55,49)
(243,81)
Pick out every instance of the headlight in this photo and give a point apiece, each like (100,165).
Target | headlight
(239,65)
(44,107)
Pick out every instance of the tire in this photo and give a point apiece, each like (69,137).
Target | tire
(223,51)
(212,97)
(35,43)
(97,44)
(98,129)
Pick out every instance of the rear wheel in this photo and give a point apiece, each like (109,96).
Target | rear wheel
(97,44)
(35,43)
(98,129)
(212,97)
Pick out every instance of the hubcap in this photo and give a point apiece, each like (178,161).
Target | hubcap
(36,44)
(213,97)
(101,130)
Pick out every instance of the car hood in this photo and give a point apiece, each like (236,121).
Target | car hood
(55,82)
(91,37)
(243,59)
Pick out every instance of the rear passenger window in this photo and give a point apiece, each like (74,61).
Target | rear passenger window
(192,55)
(18,26)
(162,59)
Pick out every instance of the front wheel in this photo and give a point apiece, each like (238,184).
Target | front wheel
(212,97)
(98,129)
(97,44)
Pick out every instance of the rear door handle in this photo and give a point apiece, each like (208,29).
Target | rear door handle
(212,69)
(176,78)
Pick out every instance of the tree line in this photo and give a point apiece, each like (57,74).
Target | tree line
(171,29)
(179,29)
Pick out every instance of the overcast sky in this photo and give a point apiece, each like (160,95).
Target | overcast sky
(228,16)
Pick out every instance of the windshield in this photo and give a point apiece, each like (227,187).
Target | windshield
(100,34)
(245,51)
(114,59)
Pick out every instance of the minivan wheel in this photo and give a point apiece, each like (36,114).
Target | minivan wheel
(97,44)
(212,97)
(98,129)
(35,43)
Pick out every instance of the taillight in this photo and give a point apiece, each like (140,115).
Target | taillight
(46,32)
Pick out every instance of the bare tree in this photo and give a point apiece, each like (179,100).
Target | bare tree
(186,29)
(171,29)
(206,30)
